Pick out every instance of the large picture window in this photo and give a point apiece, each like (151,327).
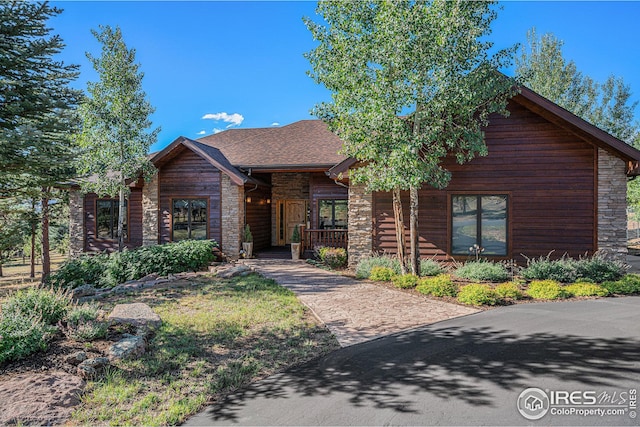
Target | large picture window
(480,220)
(189,219)
(332,214)
(107,219)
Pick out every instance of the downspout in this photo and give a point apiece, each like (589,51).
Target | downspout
(340,183)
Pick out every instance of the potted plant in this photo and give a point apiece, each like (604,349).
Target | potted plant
(247,242)
(295,243)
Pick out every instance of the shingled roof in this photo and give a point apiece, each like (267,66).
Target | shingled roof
(307,144)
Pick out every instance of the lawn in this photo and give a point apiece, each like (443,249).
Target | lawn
(217,335)
(16,273)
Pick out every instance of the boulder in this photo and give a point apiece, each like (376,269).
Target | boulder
(90,368)
(137,314)
(83,291)
(228,273)
(128,347)
(76,358)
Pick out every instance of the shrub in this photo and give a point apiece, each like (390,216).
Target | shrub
(478,294)
(586,290)
(546,289)
(363,269)
(598,269)
(629,284)
(333,257)
(483,271)
(405,281)
(508,290)
(439,286)
(21,335)
(383,274)
(429,267)
(83,323)
(47,305)
(78,271)
(561,270)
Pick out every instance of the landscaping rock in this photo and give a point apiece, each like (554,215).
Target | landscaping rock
(39,399)
(136,314)
(76,358)
(83,291)
(228,273)
(128,347)
(90,368)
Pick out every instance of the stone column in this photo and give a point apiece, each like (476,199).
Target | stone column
(360,224)
(76,223)
(232,206)
(150,212)
(612,205)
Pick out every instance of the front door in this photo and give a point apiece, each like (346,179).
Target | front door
(295,213)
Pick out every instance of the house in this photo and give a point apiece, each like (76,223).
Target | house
(551,182)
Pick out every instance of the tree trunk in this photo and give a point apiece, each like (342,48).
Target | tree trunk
(46,260)
(413,226)
(32,272)
(121,214)
(1,261)
(398,215)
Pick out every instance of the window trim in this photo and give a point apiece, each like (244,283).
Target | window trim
(451,195)
(127,238)
(207,201)
(333,212)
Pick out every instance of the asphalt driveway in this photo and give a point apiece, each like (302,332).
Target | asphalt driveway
(583,356)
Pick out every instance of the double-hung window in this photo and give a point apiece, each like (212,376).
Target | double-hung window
(479,220)
(332,214)
(107,219)
(189,219)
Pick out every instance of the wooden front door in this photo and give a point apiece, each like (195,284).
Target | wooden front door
(295,213)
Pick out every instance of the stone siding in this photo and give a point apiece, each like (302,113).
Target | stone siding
(612,205)
(150,212)
(232,205)
(360,224)
(288,185)
(76,223)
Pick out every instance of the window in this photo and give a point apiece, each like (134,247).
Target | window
(189,219)
(479,220)
(107,219)
(332,214)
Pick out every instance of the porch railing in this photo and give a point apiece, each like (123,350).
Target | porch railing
(313,238)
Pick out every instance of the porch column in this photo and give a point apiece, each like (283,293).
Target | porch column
(232,206)
(76,223)
(150,212)
(360,224)
(612,205)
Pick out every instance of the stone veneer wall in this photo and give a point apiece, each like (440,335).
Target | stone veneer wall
(76,223)
(287,185)
(232,205)
(150,212)
(612,204)
(360,223)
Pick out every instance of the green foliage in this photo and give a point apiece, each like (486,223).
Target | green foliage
(544,268)
(21,335)
(629,284)
(439,286)
(586,290)
(83,323)
(108,270)
(546,289)
(333,257)
(248,237)
(295,236)
(509,290)
(46,304)
(599,269)
(363,269)
(430,267)
(382,274)
(478,294)
(405,281)
(483,271)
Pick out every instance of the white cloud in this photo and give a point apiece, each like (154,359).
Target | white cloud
(216,130)
(275,124)
(202,132)
(234,119)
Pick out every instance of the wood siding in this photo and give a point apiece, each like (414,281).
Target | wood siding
(548,173)
(134,207)
(189,176)
(323,188)
(258,214)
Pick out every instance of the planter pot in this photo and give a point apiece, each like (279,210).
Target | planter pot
(295,251)
(248,249)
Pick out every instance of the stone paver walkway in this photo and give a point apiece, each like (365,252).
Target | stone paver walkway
(353,310)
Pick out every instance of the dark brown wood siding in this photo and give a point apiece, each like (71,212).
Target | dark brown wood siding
(548,173)
(258,213)
(134,206)
(323,188)
(189,176)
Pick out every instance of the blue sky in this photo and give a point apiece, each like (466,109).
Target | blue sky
(213,65)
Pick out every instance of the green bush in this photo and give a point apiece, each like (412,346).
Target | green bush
(363,269)
(439,286)
(478,294)
(382,274)
(48,305)
(544,268)
(21,335)
(546,289)
(108,270)
(83,323)
(508,290)
(430,267)
(628,284)
(483,271)
(586,290)
(405,281)
(598,269)
(333,257)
